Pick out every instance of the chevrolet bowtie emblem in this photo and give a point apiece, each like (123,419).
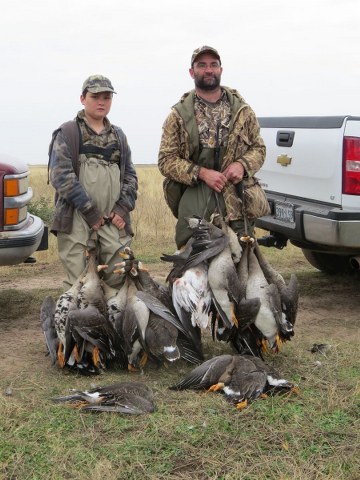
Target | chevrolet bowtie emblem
(284,160)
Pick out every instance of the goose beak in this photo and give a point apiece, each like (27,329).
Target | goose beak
(101,267)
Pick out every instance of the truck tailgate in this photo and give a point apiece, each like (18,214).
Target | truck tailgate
(304,156)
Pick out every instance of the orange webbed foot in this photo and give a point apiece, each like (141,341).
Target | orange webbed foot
(241,405)
(60,355)
(216,387)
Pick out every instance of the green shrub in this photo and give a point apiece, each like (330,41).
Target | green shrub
(42,208)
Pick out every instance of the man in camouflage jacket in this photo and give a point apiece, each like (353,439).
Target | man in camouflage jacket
(91,169)
(211,141)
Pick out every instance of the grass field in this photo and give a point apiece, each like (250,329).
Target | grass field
(312,435)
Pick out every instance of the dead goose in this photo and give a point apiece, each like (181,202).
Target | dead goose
(66,302)
(160,337)
(161,333)
(223,279)
(146,333)
(191,300)
(269,315)
(245,338)
(187,341)
(149,326)
(190,293)
(124,397)
(91,291)
(93,342)
(131,327)
(241,378)
(241,336)
(188,279)
(289,294)
(116,304)
(86,290)
(161,340)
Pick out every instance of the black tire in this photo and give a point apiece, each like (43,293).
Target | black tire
(328,262)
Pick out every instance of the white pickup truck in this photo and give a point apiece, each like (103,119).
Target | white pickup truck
(311,176)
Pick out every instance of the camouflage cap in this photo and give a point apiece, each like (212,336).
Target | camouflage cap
(97,84)
(204,49)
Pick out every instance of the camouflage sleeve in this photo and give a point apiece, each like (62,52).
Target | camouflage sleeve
(66,183)
(129,187)
(173,160)
(253,155)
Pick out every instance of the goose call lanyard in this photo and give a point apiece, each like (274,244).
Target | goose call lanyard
(217,166)
(217,150)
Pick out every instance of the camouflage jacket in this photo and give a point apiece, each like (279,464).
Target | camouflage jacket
(70,194)
(180,142)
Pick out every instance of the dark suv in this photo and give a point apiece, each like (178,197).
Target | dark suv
(21,233)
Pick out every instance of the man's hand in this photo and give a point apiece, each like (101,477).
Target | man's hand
(98,224)
(234,173)
(213,179)
(118,221)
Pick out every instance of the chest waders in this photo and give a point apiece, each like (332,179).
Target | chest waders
(200,199)
(71,246)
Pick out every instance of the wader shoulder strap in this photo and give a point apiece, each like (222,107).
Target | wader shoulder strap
(72,132)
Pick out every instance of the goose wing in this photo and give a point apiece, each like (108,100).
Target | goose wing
(225,287)
(157,307)
(47,321)
(205,375)
(123,397)
(188,342)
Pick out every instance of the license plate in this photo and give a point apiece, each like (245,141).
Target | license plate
(284,212)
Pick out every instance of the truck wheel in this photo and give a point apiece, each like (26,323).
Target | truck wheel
(327,262)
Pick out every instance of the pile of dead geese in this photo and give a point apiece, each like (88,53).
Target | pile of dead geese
(217,282)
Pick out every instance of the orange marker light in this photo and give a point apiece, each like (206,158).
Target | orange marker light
(11,216)
(12,187)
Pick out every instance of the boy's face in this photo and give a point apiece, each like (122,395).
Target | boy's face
(97,105)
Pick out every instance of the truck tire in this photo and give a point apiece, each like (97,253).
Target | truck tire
(327,262)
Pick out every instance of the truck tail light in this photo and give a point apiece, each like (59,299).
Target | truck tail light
(351,166)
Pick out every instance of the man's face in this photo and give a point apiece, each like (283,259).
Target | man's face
(206,72)
(97,105)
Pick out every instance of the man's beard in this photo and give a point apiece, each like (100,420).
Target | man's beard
(202,84)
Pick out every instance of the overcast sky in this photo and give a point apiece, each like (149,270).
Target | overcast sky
(298,57)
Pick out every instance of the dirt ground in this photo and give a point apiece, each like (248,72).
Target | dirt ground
(328,312)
